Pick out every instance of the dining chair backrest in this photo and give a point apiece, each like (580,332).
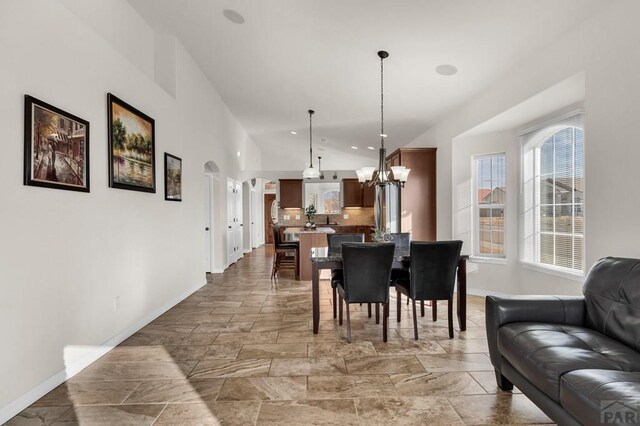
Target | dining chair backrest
(277,239)
(433,269)
(401,239)
(336,240)
(367,269)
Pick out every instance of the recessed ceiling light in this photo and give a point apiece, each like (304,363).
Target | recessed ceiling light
(354,147)
(383,135)
(294,133)
(371,148)
(446,69)
(233,16)
(238,153)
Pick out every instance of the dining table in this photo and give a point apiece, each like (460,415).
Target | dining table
(331,258)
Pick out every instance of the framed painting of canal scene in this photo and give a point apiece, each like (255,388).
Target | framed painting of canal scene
(172,177)
(131,147)
(56,147)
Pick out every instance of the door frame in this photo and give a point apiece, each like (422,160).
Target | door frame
(269,198)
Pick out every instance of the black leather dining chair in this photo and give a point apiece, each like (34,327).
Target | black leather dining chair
(432,276)
(366,272)
(335,241)
(280,251)
(401,239)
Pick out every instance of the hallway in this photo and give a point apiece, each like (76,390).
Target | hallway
(241,351)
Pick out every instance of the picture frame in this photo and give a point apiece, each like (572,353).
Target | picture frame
(56,147)
(172,177)
(131,136)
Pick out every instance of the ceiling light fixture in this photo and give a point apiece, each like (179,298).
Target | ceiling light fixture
(371,148)
(354,147)
(233,16)
(310,172)
(294,133)
(380,177)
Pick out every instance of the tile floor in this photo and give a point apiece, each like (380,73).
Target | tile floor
(240,351)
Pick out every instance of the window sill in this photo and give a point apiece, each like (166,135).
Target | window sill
(567,275)
(491,260)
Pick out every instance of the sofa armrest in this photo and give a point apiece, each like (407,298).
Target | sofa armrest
(569,310)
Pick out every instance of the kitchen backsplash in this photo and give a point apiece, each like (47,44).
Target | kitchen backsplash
(361,216)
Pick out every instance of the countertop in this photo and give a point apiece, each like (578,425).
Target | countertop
(318,230)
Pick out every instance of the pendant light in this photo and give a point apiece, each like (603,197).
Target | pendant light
(310,172)
(381,176)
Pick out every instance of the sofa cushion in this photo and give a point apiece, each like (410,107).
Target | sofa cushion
(600,396)
(612,298)
(544,352)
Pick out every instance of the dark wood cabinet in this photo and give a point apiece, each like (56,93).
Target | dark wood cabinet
(418,197)
(351,193)
(291,193)
(369,196)
(355,195)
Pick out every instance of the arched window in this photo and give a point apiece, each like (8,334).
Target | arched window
(553,196)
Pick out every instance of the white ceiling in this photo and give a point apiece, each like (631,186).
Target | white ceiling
(292,55)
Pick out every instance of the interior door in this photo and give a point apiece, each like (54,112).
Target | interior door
(207,224)
(254,218)
(231,221)
(239,224)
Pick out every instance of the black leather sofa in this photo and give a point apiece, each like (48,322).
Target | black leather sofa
(574,357)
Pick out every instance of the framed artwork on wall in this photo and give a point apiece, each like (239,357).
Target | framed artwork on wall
(131,147)
(172,177)
(56,147)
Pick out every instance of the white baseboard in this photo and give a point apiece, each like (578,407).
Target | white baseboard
(484,293)
(16,406)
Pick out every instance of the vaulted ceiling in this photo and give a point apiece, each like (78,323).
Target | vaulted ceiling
(292,55)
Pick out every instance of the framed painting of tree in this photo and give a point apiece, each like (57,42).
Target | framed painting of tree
(131,147)
(56,147)
(172,177)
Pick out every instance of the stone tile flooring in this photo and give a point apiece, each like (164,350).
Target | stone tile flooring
(240,351)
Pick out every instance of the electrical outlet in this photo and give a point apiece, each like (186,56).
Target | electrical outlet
(116,303)
(297,217)
(286,217)
(345,216)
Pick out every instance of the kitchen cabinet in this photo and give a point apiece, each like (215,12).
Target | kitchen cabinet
(417,200)
(355,195)
(351,193)
(291,194)
(369,196)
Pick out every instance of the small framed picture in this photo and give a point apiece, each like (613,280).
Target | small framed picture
(56,147)
(172,177)
(131,147)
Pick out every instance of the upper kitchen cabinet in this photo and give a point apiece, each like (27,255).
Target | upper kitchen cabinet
(369,196)
(291,194)
(351,193)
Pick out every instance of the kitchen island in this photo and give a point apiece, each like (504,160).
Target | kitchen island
(308,239)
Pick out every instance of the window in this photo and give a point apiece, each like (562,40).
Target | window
(490,200)
(553,196)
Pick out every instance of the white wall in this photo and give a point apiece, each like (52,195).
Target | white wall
(605,49)
(506,275)
(64,255)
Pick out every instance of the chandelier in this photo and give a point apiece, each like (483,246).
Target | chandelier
(310,172)
(381,176)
